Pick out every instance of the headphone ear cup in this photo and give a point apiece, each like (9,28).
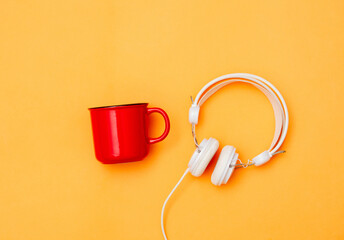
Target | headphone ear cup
(224,166)
(202,156)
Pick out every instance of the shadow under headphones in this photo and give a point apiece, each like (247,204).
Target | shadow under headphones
(228,159)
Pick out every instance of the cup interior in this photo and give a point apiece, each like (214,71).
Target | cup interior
(120,105)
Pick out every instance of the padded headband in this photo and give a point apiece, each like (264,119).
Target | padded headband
(274,96)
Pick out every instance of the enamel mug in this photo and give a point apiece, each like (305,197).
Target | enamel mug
(120,132)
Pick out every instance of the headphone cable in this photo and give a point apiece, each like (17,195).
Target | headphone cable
(168,197)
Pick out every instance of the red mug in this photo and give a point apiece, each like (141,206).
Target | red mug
(120,132)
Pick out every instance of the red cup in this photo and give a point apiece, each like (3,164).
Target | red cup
(120,132)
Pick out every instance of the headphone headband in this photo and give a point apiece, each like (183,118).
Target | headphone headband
(271,92)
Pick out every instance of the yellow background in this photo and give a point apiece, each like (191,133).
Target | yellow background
(57,58)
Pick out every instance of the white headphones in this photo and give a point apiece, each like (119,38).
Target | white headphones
(228,158)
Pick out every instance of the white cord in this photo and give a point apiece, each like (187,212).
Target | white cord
(168,197)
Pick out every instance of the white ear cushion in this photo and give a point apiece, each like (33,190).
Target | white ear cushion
(192,162)
(200,160)
(224,166)
(231,169)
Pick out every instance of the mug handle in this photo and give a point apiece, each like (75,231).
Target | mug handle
(167,125)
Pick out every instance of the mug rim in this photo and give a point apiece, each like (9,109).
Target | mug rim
(117,106)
